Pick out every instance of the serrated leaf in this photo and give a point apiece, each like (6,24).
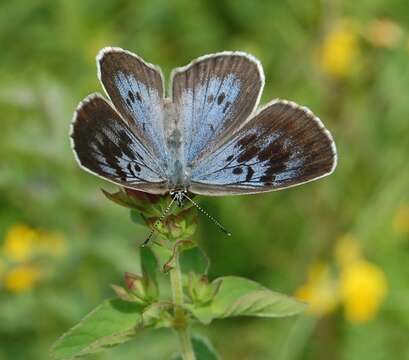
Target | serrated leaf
(111,323)
(202,348)
(242,297)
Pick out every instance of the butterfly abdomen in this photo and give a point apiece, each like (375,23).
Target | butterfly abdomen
(177,177)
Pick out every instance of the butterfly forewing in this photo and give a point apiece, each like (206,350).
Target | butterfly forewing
(213,96)
(107,147)
(283,145)
(135,87)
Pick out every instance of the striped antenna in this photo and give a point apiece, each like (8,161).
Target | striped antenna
(157,222)
(203,211)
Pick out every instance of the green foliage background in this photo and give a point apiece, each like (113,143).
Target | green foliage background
(47,66)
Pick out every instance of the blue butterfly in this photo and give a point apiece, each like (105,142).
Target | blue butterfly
(206,137)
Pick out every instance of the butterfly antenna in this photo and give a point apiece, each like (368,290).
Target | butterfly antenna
(220,226)
(157,222)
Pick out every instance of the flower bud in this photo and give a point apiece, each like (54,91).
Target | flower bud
(124,295)
(200,291)
(146,204)
(178,225)
(157,315)
(142,288)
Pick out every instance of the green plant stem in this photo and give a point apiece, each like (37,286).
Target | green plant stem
(180,324)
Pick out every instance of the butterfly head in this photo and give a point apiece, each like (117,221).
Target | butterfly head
(179,196)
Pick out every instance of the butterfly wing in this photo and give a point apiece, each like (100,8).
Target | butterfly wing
(212,96)
(135,88)
(106,146)
(282,146)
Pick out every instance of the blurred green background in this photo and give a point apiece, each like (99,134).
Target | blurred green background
(341,243)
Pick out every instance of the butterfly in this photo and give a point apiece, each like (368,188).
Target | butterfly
(206,137)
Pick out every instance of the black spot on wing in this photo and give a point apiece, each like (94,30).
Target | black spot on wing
(124,146)
(229,158)
(131,97)
(280,157)
(269,151)
(226,106)
(274,167)
(237,171)
(267,179)
(113,150)
(133,168)
(250,173)
(130,169)
(210,99)
(248,154)
(113,164)
(220,98)
(246,140)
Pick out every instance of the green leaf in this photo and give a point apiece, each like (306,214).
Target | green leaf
(191,257)
(157,315)
(202,348)
(194,260)
(137,218)
(241,297)
(149,263)
(112,323)
(119,198)
(162,254)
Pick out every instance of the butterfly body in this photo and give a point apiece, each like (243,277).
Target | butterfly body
(206,137)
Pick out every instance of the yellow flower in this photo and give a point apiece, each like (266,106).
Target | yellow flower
(21,278)
(362,289)
(52,243)
(401,220)
(18,244)
(339,51)
(22,242)
(320,290)
(347,250)
(384,33)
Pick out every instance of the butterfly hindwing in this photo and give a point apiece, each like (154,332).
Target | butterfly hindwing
(107,147)
(213,96)
(283,145)
(135,88)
